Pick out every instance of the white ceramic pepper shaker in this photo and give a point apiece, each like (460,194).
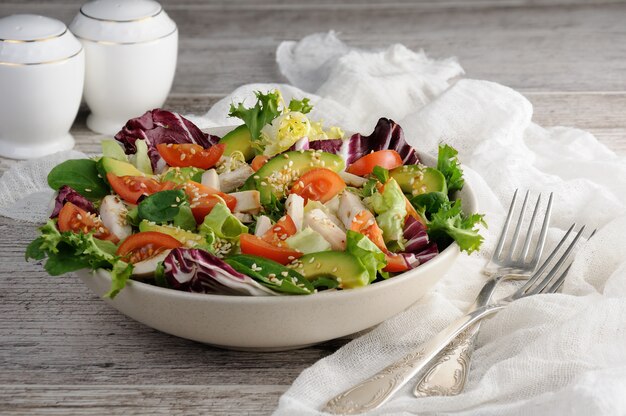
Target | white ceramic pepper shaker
(131,48)
(42,69)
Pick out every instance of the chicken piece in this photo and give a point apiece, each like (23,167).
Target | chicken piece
(319,221)
(146,268)
(248,202)
(263,225)
(211,179)
(229,181)
(295,209)
(349,206)
(352,180)
(113,214)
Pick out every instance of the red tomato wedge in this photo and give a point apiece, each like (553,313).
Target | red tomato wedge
(190,154)
(365,224)
(131,188)
(387,159)
(395,263)
(251,244)
(284,227)
(77,220)
(319,184)
(258,162)
(411,212)
(202,199)
(142,246)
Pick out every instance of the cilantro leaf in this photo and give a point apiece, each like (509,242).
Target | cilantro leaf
(302,106)
(381,174)
(264,111)
(449,222)
(448,165)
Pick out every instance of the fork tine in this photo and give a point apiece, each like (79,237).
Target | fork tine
(559,282)
(543,233)
(550,276)
(505,228)
(531,281)
(529,233)
(518,228)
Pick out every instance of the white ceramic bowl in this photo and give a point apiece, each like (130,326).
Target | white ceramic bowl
(276,323)
(131,48)
(42,69)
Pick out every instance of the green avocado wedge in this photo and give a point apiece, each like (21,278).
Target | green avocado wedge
(340,266)
(238,140)
(280,171)
(419,179)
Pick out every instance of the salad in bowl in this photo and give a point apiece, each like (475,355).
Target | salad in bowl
(280,205)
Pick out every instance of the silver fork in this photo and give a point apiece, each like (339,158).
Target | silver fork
(447,377)
(376,390)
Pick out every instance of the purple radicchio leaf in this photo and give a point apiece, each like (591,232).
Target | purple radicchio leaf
(329,146)
(160,126)
(386,135)
(198,271)
(415,259)
(415,234)
(67,194)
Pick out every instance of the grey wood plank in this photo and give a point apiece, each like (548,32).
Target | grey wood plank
(531,47)
(139,400)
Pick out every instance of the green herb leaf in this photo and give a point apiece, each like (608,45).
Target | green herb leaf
(82,176)
(264,111)
(429,203)
(449,222)
(448,165)
(302,106)
(381,174)
(271,274)
(162,206)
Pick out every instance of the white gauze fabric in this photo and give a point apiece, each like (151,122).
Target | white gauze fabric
(548,354)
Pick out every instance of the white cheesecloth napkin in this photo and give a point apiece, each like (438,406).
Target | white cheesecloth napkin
(547,354)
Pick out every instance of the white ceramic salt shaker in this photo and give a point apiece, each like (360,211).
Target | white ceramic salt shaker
(42,69)
(131,48)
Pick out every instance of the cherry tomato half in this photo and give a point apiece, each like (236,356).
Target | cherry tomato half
(251,244)
(395,263)
(190,154)
(142,246)
(258,162)
(284,227)
(387,159)
(131,188)
(77,220)
(202,199)
(319,184)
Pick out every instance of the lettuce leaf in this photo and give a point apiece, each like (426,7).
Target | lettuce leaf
(68,252)
(449,222)
(222,223)
(390,205)
(301,106)
(264,111)
(367,253)
(448,165)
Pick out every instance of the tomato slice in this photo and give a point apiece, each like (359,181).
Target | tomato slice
(395,263)
(411,212)
(202,199)
(319,184)
(142,246)
(190,154)
(251,244)
(77,220)
(387,159)
(284,227)
(131,188)
(365,223)
(258,162)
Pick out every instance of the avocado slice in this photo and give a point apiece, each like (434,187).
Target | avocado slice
(112,149)
(187,238)
(419,179)
(182,175)
(117,167)
(240,140)
(340,266)
(280,171)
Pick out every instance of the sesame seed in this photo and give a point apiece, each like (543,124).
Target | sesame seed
(177,199)
(284,274)
(263,183)
(291,258)
(286,156)
(183,156)
(311,260)
(334,269)
(87,190)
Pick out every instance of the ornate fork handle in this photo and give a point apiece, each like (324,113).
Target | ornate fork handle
(375,391)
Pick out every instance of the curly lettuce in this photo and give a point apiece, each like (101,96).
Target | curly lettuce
(390,207)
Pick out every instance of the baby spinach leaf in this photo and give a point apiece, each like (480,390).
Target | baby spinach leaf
(81,175)
(162,206)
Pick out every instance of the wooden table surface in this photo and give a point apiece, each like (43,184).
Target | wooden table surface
(63,351)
